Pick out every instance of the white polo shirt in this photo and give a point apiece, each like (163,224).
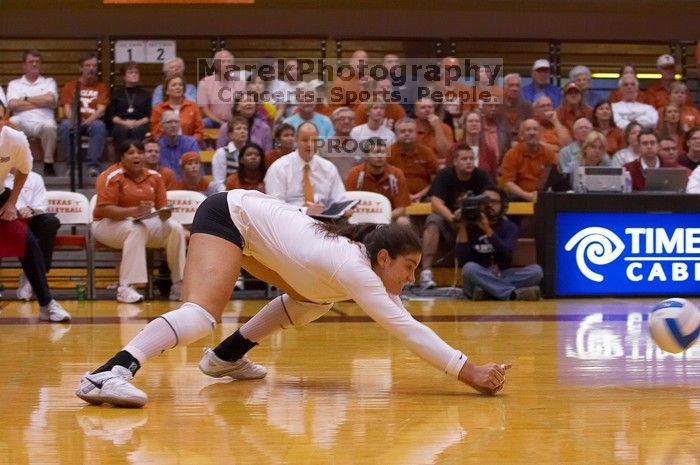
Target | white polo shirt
(330,269)
(33,194)
(14,152)
(19,88)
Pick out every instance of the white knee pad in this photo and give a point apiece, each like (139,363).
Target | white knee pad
(189,323)
(303,313)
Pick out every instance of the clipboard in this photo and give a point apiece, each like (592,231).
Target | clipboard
(154,213)
(336,210)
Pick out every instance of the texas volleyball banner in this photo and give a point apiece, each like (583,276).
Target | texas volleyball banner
(628,253)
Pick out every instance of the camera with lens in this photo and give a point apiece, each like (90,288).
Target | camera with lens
(473,206)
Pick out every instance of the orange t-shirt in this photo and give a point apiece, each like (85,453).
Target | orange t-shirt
(190,119)
(417,166)
(272,156)
(91,95)
(657,96)
(615,138)
(568,116)
(201,186)
(234,182)
(524,168)
(391,184)
(169,177)
(344,93)
(392,112)
(115,186)
(548,134)
(425,134)
(690,116)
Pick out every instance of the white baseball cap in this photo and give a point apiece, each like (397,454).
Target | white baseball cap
(665,60)
(541,63)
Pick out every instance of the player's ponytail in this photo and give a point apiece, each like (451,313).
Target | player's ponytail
(395,238)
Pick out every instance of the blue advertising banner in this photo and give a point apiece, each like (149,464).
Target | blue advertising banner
(627,253)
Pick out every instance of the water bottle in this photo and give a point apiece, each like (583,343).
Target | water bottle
(80,292)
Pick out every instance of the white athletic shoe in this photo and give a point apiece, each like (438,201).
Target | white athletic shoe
(24,291)
(54,312)
(175,291)
(128,295)
(243,368)
(111,387)
(426,280)
(240,283)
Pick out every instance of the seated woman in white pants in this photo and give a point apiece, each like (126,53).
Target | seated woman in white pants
(125,191)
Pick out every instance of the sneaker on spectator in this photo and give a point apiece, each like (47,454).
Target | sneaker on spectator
(426,280)
(528,293)
(54,313)
(240,283)
(24,291)
(243,368)
(128,295)
(111,387)
(175,291)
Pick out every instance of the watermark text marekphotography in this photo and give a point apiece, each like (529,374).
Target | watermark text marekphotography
(316,80)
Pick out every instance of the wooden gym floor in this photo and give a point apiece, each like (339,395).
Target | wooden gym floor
(587,387)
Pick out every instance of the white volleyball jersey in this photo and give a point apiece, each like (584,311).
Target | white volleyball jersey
(329,269)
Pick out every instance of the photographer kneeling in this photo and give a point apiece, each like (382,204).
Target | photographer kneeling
(447,190)
(485,245)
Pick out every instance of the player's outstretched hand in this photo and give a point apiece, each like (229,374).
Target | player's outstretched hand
(487,379)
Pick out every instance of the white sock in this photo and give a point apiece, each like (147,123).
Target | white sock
(269,320)
(178,327)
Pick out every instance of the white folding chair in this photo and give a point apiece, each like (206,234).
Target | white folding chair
(73,209)
(373,208)
(186,204)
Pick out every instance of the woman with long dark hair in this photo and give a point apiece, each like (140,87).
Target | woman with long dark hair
(315,264)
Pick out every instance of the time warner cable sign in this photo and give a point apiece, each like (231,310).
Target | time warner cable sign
(628,253)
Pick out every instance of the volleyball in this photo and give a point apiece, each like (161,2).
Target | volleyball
(674,324)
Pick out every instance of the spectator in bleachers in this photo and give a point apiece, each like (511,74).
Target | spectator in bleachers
(259,131)
(251,170)
(431,131)
(573,107)
(33,205)
(569,154)
(173,67)
(485,157)
(525,164)
(691,157)
(284,90)
(93,98)
(581,75)
(152,155)
(694,182)
(267,109)
(306,104)
(417,161)
(376,116)
(407,91)
(690,116)
(172,143)
(447,191)
(670,124)
(494,91)
(453,93)
(657,95)
(130,108)
(616,94)
(393,110)
(631,150)
(668,153)
(496,130)
(629,108)
(376,175)
(304,179)
(32,100)
(593,152)
(226,159)
(485,251)
(192,178)
(648,158)
(541,74)
(553,134)
(175,100)
(284,143)
(346,87)
(341,149)
(604,123)
(16,156)
(216,93)
(514,109)
(131,191)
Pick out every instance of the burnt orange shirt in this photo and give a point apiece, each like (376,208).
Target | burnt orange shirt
(115,186)
(425,134)
(548,134)
(272,156)
(344,93)
(568,115)
(233,181)
(201,186)
(190,119)
(391,183)
(615,138)
(657,96)
(392,112)
(690,116)
(524,168)
(417,166)
(91,95)
(616,96)
(169,177)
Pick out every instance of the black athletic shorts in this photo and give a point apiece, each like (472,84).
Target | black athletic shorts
(212,217)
